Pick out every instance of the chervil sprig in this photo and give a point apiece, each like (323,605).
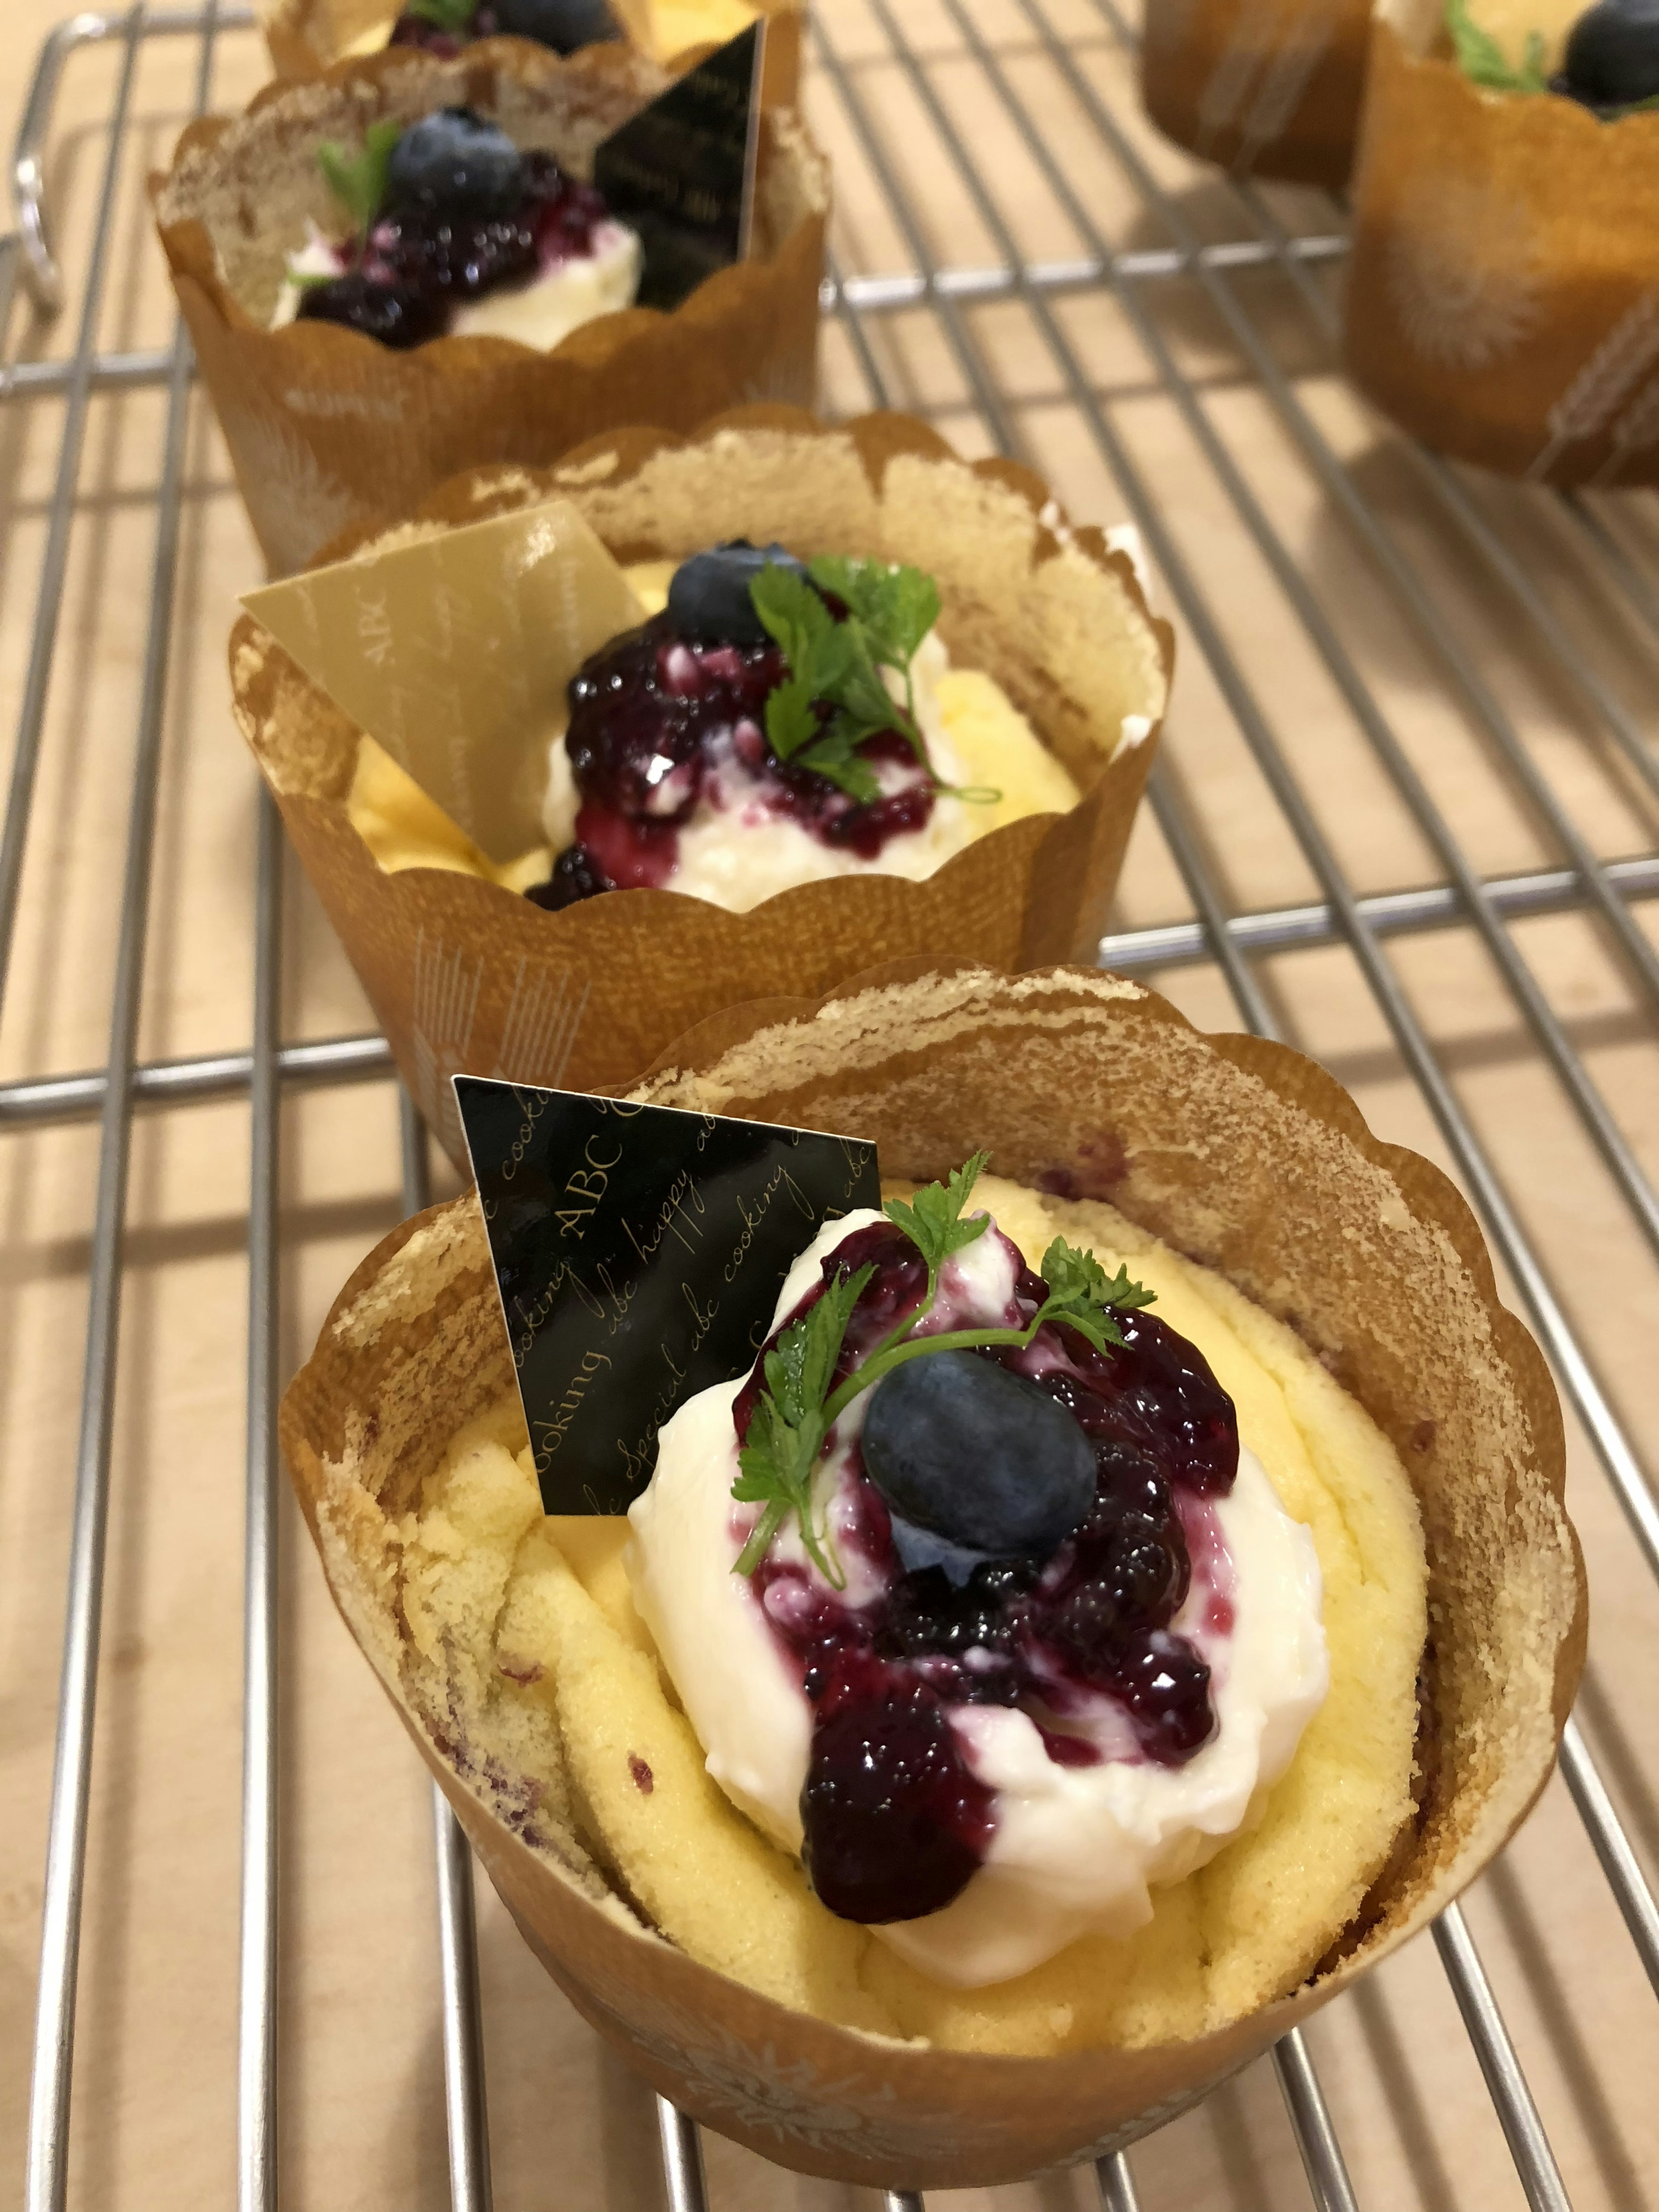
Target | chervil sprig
(834,697)
(787,1430)
(358,181)
(796,1411)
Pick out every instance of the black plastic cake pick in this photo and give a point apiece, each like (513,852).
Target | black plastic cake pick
(682,171)
(638,1252)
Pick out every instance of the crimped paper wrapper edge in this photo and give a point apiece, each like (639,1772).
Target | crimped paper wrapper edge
(1500,296)
(326,427)
(466,978)
(833,2102)
(1217,76)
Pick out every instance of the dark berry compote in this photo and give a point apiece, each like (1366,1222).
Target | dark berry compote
(464,214)
(444,27)
(1078,1636)
(671,718)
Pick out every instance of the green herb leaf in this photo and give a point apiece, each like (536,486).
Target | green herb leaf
(838,664)
(358,181)
(448,15)
(895,607)
(1484,62)
(834,755)
(787,1428)
(933,1219)
(1082,1295)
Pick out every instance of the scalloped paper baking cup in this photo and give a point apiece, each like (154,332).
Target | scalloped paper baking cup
(306,37)
(1501,299)
(1267,87)
(327,428)
(467,977)
(1238,1153)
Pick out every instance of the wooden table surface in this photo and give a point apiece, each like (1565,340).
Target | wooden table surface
(362,2117)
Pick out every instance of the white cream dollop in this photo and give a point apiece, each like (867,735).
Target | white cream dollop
(1075,1850)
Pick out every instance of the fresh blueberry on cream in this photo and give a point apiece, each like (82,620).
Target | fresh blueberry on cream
(984,1754)
(457,231)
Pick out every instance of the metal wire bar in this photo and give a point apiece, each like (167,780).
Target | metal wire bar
(108,372)
(1619,1862)
(883,294)
(1117,2188)
(1483,2021)
(47,2179)
(464,2098)
(208,1079)
(54,566)
(1310,2123)
(682,2159)
(903,2200)
(1608,1138)
(1523,2130)
(1638,593)
(256,2071)
(199,1081)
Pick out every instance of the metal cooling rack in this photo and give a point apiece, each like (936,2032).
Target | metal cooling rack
(960,204)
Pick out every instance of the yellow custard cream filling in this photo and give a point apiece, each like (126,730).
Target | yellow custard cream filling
(531,1621)
(990,743)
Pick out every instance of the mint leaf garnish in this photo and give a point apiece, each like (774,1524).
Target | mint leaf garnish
(358,181)
(447,15)
(796,1411)
(1484,62)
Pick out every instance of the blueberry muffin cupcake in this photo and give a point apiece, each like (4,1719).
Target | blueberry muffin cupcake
(874,700)
(404,269)
(1506,216)
(1267,87)
(1128,1594)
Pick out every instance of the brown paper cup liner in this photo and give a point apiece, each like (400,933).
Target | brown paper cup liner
(307,36)
(1243,1156)
(1267,87)
(326,427)
(1501,302)
(466,976)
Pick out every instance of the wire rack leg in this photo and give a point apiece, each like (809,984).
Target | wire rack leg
(682,2159)
(1117,2188)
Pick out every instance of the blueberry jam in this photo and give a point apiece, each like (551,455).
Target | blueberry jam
(659,721)
(1081,1639)
(429,252)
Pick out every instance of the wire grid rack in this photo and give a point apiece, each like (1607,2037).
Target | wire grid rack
(1019,258)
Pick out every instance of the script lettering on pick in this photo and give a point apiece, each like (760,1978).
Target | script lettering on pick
(682,171)
(639,1251)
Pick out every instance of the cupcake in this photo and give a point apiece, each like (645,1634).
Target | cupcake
(1506,214)
(912,712)
(1176,1608)
(1268,90)
(306,37)
(404,269)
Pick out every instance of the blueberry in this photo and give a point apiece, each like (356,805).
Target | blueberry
(969,1451)
(709,600)
(564,25)
(1612,59)
(457,161)
(576,875)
